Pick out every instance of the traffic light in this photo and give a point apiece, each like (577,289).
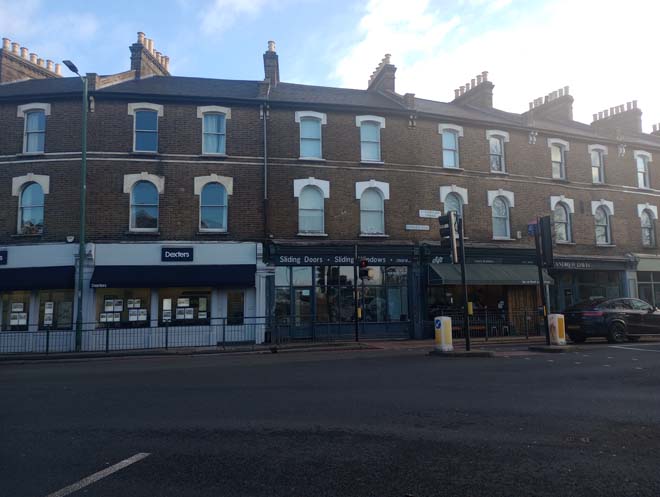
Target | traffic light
(364,268)
(449,234)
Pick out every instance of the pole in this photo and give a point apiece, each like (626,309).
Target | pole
(83,219)
(466,324)
(355,292)
(539,264)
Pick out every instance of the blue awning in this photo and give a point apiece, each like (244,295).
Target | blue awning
(37,278)
(237,275)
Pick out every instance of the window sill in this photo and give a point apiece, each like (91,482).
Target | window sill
(500,173)
(142,233)
(605,245)
(212,232)
(144,152)
(372,162)
(565,243)
(374,235)
(560,180)
(460,169)
(311,159)
(312,234)
(214,156)
(504,239)
(30,154)
(26,235)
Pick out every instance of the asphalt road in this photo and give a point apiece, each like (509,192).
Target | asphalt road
(362,423)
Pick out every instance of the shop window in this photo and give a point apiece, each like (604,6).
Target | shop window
(213,208)
(453,202)
(31,215)
(282,276)
(144,207)
(301,276)
(119,307)
(501,221)
(214,124)
(56,309)
(146,131)
(562,223)
(311,210)
(235,307)
(372,212)
(35,132)
(648,228)
(15,311)
(603,226)
(185,306)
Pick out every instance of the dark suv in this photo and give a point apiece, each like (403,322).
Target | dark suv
(615,319)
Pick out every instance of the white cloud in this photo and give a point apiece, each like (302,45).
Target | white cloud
(602,52)
(222,14)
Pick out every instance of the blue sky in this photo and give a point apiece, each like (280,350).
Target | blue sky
(530,48)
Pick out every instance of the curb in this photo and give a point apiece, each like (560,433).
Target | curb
(462,353)
(553,349)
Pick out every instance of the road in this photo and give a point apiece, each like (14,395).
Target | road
(347,423)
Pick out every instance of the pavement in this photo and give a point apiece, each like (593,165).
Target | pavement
(369,422)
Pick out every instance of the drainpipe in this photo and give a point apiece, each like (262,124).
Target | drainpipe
(264,114)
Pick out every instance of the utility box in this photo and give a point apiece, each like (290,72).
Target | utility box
(443,334)
(557,329)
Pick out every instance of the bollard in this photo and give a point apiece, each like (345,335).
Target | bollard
(557,329)
(443,334)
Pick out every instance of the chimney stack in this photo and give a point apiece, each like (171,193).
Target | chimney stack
(478,92)
(17,63)
(384,77)
(621,118)
(145,59)
(656,130)
(557,105)
(271,65)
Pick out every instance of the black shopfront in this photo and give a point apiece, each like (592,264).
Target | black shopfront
(313,295)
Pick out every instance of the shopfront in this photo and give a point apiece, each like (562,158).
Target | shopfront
(583,278)
(315,290)
(648,278)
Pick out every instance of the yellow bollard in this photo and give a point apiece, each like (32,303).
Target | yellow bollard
(557,329)
(443,334)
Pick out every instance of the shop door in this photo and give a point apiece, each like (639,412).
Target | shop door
(302,312)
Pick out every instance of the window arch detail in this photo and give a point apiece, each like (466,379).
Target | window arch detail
(299,184)
(201,181)
(446,190)
(131,179)
(18,182)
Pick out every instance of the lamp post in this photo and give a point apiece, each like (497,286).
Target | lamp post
(83,193)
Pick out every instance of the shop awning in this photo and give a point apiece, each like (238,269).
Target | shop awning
(37,278)
(489,274)
(240,275)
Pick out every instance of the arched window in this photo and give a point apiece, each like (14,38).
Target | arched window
(562,222)
(372,212)
(603,228)
(31,215)
(648,228)
(35,132)
(310,210)
(449,148)
(501,225)
(453,202)
(214,132)
(310,138)
(558,161)
(213,208)
(144,207)
(146,131)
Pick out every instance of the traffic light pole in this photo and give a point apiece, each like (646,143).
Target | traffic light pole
(355,292)
(466,324)
(539,264)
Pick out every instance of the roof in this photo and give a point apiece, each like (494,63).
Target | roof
(308,94)
(178,86)
(47,86)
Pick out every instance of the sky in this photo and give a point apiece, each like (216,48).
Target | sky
(603,50)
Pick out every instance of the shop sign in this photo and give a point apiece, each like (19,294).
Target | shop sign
(341,260)
(576,264)
(439,259)
(176,254)
(429,214)
(3,257)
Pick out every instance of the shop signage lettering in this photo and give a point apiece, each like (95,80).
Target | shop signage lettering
(340,260)
(3,257)
(559,264)
(176,254)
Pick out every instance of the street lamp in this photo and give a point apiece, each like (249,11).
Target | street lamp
(83,193)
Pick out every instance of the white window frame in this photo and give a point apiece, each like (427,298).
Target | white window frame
(384,188)
(564,147)
(379,120)
(19,221)
(569,203)
(609,210)
(602,149)
(22,112)
(503,136)
(647,157)
(18,184)
(569,224)
(214,109)
(458,132)
(199,182)
(298,186)
(445,191)
(310,114)
(653,210)
(509,197)
(129,183)
(133,108)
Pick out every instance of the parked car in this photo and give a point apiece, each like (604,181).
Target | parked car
(617,320)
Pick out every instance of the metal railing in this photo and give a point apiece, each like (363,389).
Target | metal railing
(107,337)
(494,323)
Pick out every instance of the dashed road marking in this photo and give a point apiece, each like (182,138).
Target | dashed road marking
(633,348)
(578,363)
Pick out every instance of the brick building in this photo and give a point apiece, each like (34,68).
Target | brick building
(230,200)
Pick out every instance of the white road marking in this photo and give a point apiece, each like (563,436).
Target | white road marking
(606,366)
(85,482)
(578,363)
(633,348)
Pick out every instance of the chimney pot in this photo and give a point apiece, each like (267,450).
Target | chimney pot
(40,62)
(634,104)
(560,92)
(387,58)
(480,79)
(140,38)
(58,69)
(605,113)
(628,105)
(14,47)
(472,83)
(462,90)
(611,111)
(6,43)
(24,52)
(565,90)
(50,65)
(467,86)
(595,117)
(166,62)
(545,101)
(33,58)
(456,93)
(485,75)
(531,105)
(600,115)
(271,46)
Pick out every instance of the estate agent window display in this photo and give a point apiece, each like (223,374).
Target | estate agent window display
(123,308)
(15,310)
(56,309)
(185,306)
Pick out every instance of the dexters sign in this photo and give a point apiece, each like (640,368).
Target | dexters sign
(176,254)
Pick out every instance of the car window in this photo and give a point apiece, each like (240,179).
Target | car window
(619,305)
(640,305)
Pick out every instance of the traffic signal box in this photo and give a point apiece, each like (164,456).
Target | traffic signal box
(449,234)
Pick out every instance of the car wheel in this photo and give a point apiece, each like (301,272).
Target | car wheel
(577,338)
(617,333)
(633,339)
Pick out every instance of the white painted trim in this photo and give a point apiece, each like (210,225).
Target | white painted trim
(454,127)
(23,109)
(596,146)
(361,186)
(556,199)
(18,182)
(131,179)
(595,204)
(509,196)
(360,119)
(321,116)
(201,181)
(213,109)
(642,207)
(499,133)
(321,184)
(135,106)
(560,142)
(461,192)
(643,153)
